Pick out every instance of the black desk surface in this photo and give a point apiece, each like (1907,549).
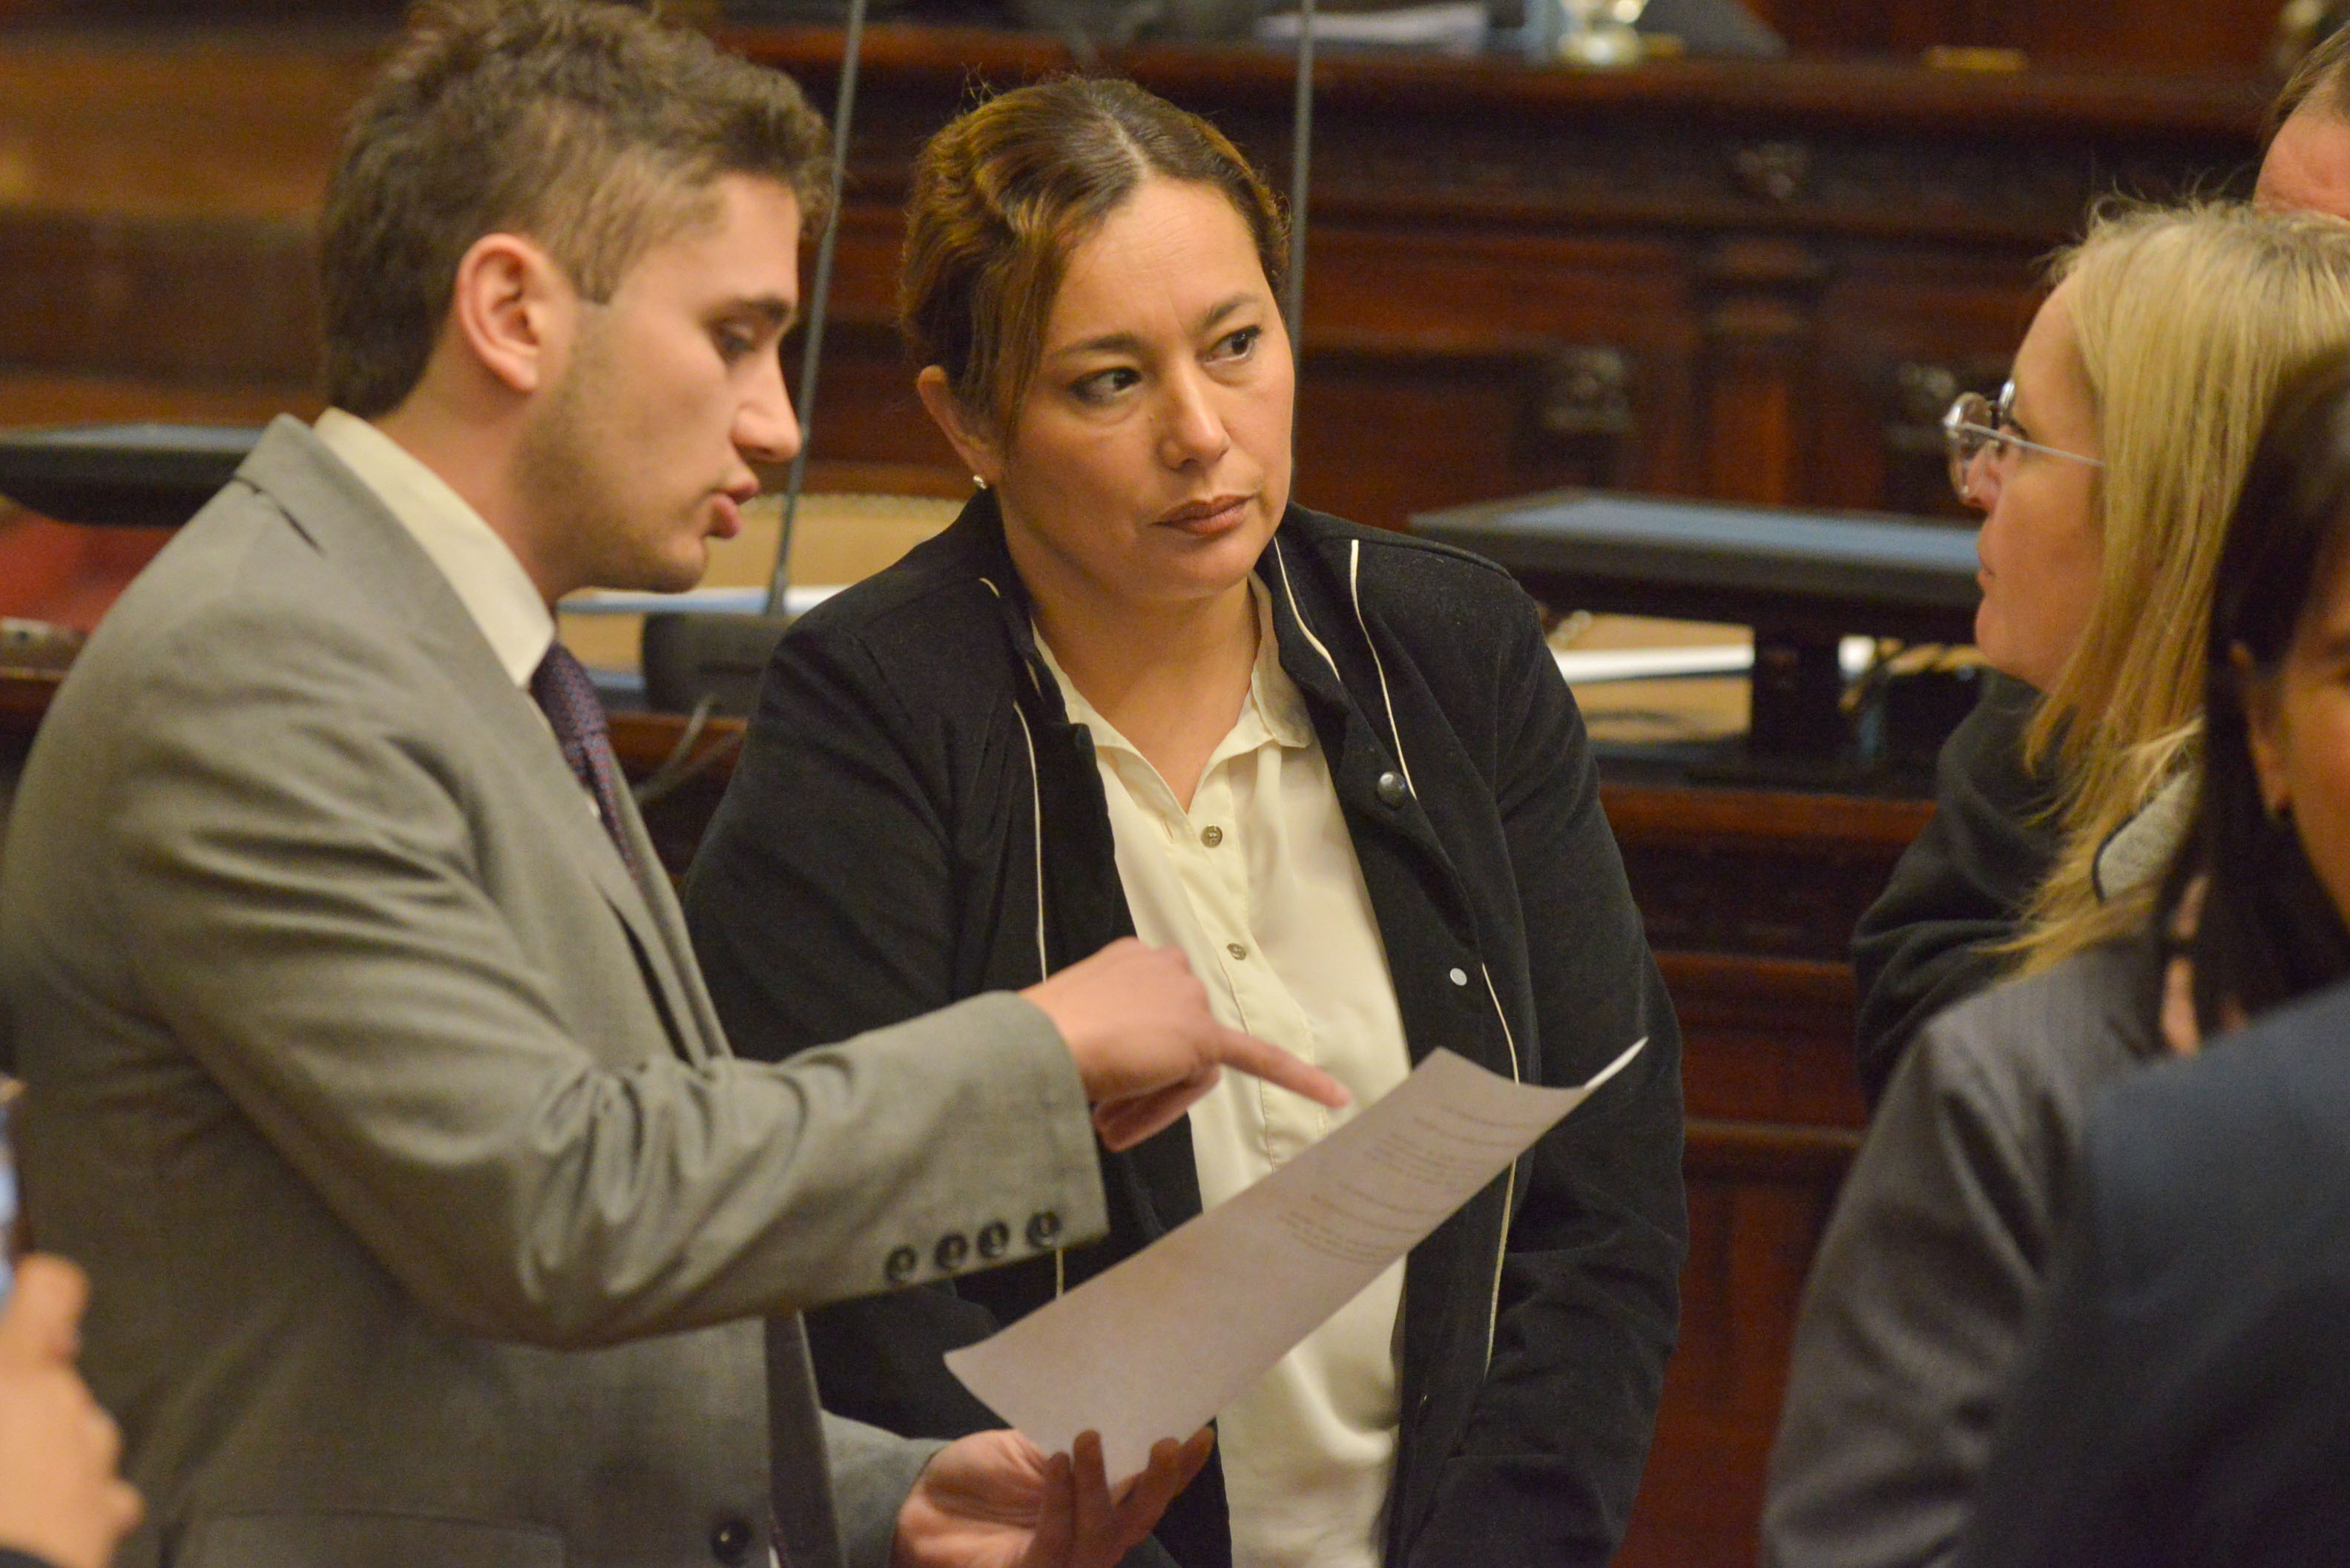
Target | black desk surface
(139,475)
(1824,574)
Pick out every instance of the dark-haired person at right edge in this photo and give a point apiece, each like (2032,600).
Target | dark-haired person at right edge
(1958,894)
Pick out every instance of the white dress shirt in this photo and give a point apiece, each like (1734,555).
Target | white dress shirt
(490,582)
(1258,885)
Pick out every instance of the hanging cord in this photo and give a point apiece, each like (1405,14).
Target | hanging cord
(1301,164)
(820,295)
(684,764)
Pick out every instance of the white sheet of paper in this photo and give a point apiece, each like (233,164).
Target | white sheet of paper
(1154,1347)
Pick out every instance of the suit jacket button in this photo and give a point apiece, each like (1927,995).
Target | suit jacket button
(995,1240)
(732,1542)
(901,1266)
(952,1251)
(1391,789)
(1044,1228)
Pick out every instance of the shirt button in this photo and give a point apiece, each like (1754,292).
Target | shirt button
(732,1542)
(994,1237)
(901,1266)
(1459,977)
(952,1251)
(1212,837)
(1237,949)
(1044,1226)
(1391,788)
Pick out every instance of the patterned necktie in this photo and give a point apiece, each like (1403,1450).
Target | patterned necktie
(562,688)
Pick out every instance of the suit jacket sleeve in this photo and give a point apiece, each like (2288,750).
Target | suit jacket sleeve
(1915,1304)
(1959,889)
(824,902)
(297,845)
(2055,1492)
(873,1472)
(1590,1286)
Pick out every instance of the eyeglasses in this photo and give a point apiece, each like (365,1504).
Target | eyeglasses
(1976,425)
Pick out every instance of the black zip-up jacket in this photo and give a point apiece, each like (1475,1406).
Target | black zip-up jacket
(911,776)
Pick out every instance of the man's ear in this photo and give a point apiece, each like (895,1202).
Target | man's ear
(973,445)
(2264,729)
(514,310)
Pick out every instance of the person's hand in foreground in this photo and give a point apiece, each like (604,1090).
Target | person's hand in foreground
(1147,1047)
(994,1501)
(59,1496)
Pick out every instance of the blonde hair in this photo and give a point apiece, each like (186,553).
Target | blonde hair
(2187,321)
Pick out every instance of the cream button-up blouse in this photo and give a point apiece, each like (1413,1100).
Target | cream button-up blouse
(1258,885)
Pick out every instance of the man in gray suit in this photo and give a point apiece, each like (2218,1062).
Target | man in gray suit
(429,1218)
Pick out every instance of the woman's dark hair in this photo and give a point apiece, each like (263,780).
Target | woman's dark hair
(2268,930)
(1007,189)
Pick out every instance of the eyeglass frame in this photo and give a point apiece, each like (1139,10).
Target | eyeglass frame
(1971,417)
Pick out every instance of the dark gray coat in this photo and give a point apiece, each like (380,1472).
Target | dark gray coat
(2183,1398)
(1939,1246)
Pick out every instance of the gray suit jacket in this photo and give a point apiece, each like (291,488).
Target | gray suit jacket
(429,1219)
(1939,1246)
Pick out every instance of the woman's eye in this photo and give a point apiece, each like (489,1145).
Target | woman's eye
(1102,385)
(1239,345)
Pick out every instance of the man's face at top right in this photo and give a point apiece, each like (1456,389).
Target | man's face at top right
(2308,165)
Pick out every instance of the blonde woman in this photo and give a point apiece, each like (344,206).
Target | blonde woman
(2107,475)
(1945,925)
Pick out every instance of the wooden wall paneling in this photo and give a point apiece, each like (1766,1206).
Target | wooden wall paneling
(866,408)
(1872,27)
(1732,871)
(1899,337)
(1763,1039)
(180,124)
(2211,38)
(193,299)
(156,197)
(1759,1197)
(1758,297)
(41,398)
(1620,277)
(1490,365)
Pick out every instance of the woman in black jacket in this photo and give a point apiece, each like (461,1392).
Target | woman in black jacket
(1134,688)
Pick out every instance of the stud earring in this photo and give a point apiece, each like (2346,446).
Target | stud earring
(979,481)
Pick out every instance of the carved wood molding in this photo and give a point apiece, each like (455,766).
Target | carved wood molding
(1773,1152)
(1866,149)
(216,300)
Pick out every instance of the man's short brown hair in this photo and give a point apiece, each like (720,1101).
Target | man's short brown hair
(592,128)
